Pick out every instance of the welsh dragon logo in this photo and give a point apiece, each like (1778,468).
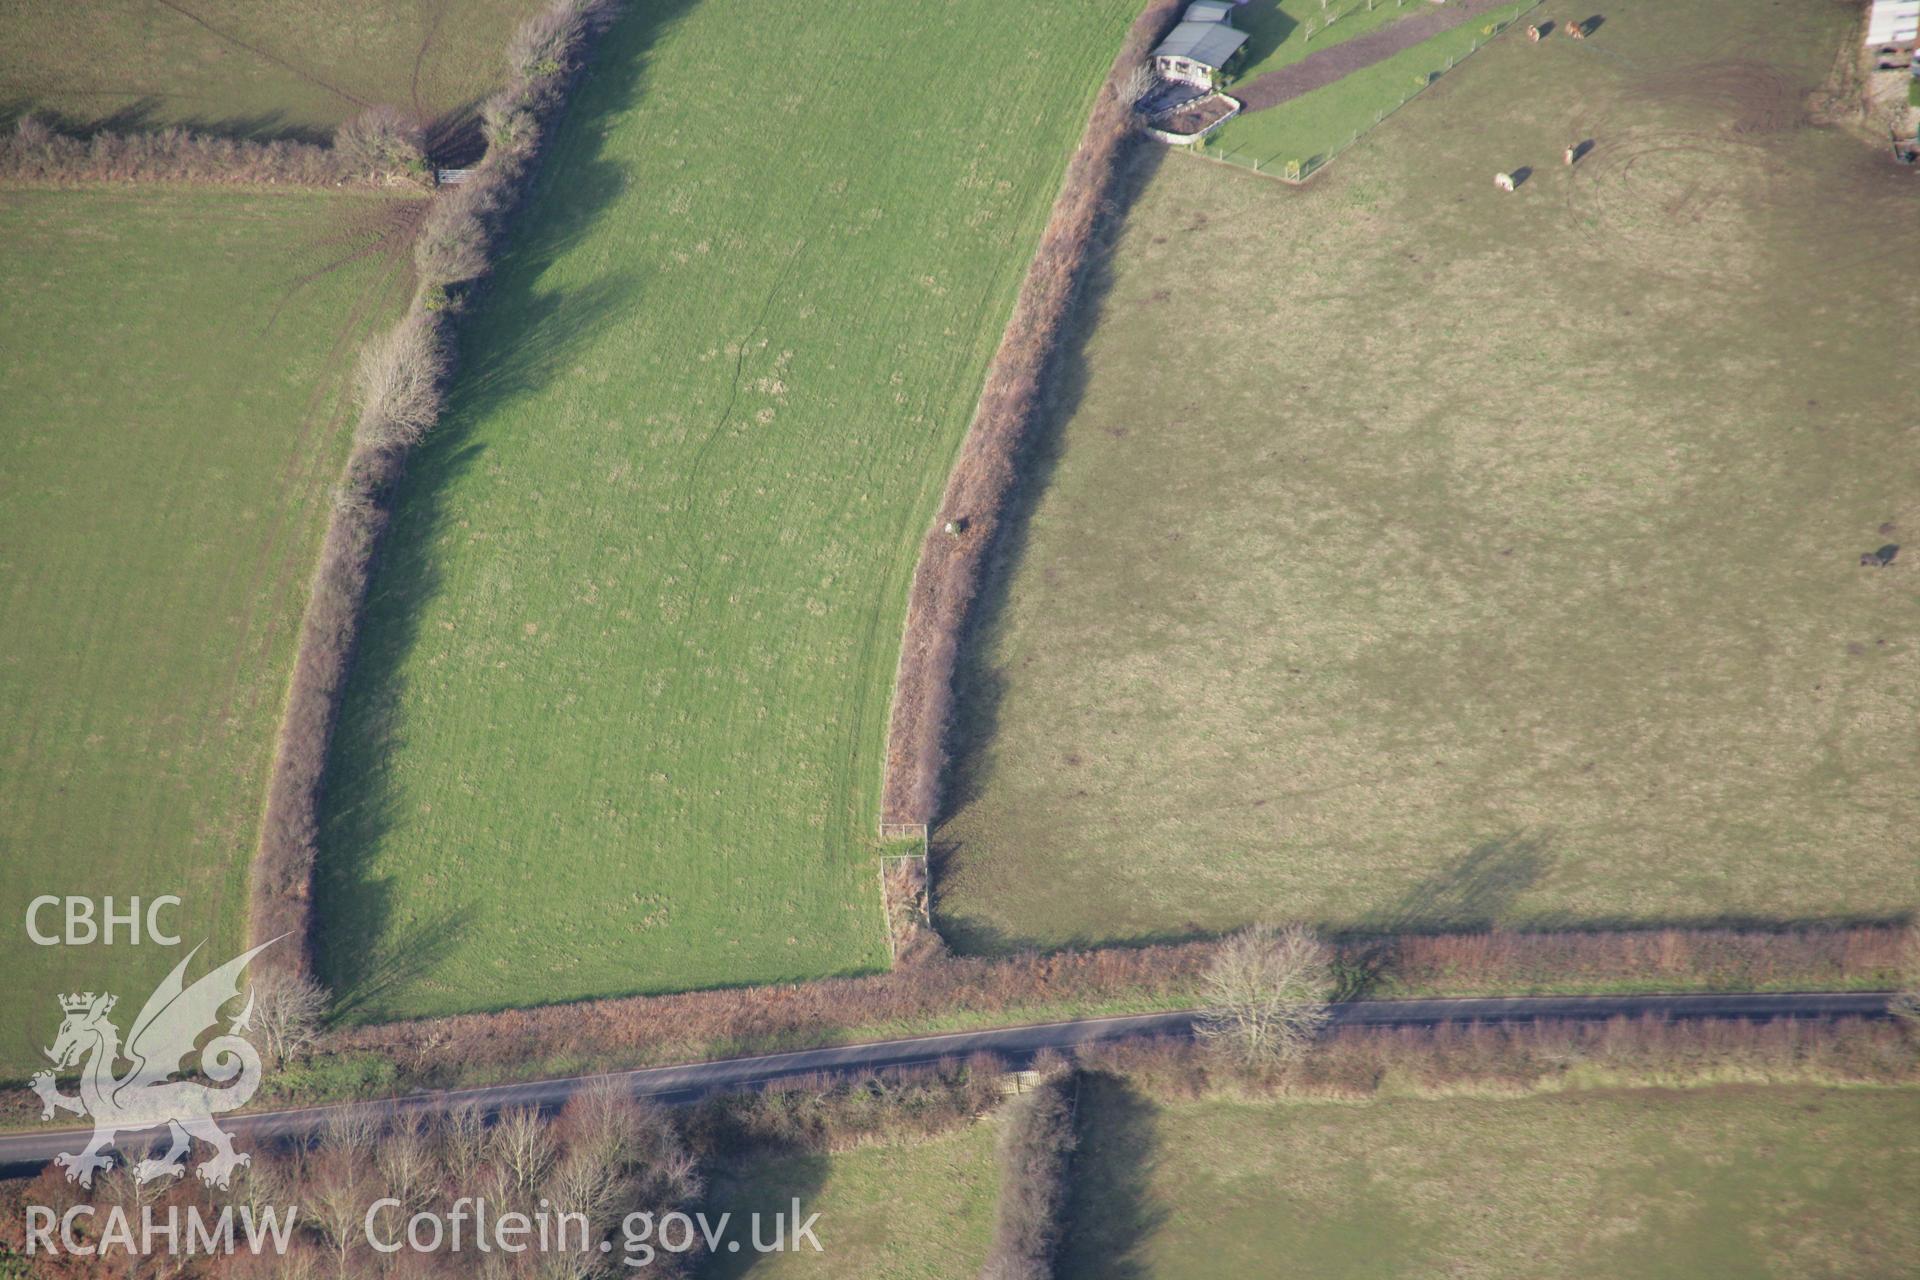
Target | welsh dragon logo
(146,1096)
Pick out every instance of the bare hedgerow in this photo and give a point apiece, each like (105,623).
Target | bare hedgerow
(1266,993)
(1905,1004)
(399,385)
(33,151)
(948,572)
(1035,1147)
(400,389)
(452,245)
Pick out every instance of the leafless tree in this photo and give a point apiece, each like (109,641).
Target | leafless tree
(406,1161)
(522,1147)
(335,1191)
(399,384)
(1267,993)
(463,1145)
(287,1009)
(1136,84)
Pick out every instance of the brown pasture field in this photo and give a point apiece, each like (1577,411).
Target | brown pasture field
(255,68)
(1400,553)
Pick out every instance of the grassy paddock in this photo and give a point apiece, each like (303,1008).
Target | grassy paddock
(172,416)
(1765,1181)
(1406,554)
(617,716)
(918,1210)
(1277,34)
(261,68)
(1315,126)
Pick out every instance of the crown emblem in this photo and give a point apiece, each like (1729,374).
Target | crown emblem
(81,1002)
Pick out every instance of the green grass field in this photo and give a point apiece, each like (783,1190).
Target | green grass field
(1749,1182)
(1316,125)
(173,373)
(902,1211)
(250,67)
(618,712)
(1408,554)
(1277,29)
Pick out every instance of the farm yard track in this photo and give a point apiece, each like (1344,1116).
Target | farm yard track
(1318,70)
(1016,1045)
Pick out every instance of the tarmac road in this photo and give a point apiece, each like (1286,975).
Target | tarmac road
(23,1152)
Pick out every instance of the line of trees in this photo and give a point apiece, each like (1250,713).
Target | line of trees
(604,1156)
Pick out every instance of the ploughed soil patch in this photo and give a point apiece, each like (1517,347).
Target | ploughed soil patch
(1318,70)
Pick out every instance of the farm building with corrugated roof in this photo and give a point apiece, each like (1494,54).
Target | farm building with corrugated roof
(1200,45)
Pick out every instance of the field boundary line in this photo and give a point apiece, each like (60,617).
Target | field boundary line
(953,553)
(1310,165)
(403,374)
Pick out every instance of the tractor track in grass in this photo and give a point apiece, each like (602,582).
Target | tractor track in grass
(259,52)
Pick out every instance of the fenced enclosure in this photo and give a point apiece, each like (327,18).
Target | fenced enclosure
(1245,147)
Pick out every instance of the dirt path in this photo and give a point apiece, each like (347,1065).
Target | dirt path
(1317,70)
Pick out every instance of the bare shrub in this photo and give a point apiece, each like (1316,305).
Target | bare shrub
(1136,83)
(1035,1147)
(1266,993)
(452,245)
(947,575)
(832,1113)
(287,1009)
(903,889)
(383,145)
(508,125)
(399,385)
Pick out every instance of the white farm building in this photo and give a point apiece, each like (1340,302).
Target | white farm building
(1893,22)
(1200,45)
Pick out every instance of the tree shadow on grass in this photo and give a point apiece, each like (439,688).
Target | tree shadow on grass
(1111,1213)
(764,1182)
(520,339)
(979,686)
(145,113)
(1267,28)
